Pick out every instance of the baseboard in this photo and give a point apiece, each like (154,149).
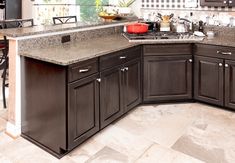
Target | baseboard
(13,130)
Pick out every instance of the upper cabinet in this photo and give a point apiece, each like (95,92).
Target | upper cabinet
(218,3)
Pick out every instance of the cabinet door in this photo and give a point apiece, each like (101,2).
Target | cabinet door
(208,80)
(167,78)
(230,84)
(216,3)
(132,84)
(110,96)
(83,110)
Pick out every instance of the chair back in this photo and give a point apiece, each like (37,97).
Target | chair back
(16,23)
(64,19)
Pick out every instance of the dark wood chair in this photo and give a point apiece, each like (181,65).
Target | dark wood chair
(16,23)
(4,47)
(64,19)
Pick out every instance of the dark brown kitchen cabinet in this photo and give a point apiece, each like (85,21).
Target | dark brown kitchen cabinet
(131,84)
(229,84)
(120,86)
(208,80)
(167,78)
(83,113)
(217,3)
(110,96)
(60,104)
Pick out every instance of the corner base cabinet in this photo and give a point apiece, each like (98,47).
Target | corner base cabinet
(167,72)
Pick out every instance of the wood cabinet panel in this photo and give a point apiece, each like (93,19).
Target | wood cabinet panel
(230,84)
(82,69)
(215,3)
(132,84)
(167,78)
(214,51)
(83,110)
(110,96)
(43,104)
(208,83)
(167,49)
(119,57)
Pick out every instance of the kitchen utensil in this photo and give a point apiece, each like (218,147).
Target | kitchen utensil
(210,34)
(137,28)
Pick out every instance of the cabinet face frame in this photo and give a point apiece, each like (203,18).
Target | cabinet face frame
(218,75)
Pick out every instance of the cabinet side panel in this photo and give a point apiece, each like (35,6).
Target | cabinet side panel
(44,103)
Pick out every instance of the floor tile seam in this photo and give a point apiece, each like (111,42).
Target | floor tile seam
(154,143)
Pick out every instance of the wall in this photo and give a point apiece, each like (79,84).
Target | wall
(211,15)
(27,9)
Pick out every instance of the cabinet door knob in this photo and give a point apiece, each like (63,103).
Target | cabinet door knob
(122,57)
(225,2)
(190,60)
(98,80)
(230,2)
(226,65)
(126,68)
(220,64)
(122,69)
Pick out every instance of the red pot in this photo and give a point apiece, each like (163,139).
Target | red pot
(137,28)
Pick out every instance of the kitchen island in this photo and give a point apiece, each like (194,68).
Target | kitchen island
(58,79)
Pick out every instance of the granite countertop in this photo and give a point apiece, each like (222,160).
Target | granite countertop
(70,53)
(221,41)
(44,29)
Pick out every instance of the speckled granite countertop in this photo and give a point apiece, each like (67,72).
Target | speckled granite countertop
(74,52)
(70,53)
(44,29)
(222,41)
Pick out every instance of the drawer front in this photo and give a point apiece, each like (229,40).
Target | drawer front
(222,52)
(120,57)
(82,69)
(170,49)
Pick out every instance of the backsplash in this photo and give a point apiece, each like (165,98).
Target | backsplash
(55,40)
(180,4)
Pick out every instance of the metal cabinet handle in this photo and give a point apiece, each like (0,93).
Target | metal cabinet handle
(226,65)
(220,64)
(84,70)
(190,60)
(122,57)
(98,80)
(224,53)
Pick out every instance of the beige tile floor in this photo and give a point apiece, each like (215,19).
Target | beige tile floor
(167,133)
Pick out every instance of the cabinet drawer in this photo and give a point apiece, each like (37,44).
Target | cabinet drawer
(170,49)
(82,69)
(222,52)
(120,57)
